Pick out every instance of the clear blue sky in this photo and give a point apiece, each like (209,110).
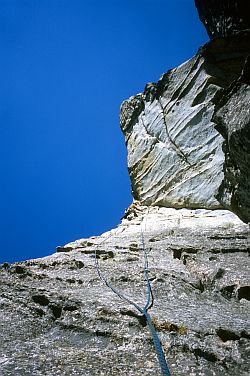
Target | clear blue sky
(65,68)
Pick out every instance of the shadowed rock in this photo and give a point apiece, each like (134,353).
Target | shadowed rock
(223,18)
(232,117)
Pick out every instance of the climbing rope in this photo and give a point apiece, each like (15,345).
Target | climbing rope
(157,343)
(150,299)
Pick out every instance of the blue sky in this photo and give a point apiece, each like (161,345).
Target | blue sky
(65,68)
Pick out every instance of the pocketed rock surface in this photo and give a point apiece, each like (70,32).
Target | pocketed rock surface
(58,318)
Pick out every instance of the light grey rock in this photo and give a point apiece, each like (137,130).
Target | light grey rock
(175,156)
(58,318)
(174,152)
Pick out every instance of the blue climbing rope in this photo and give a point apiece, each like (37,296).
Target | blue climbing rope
(158,347)
(157,343)
(150,299)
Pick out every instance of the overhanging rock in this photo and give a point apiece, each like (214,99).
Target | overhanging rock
(175,155)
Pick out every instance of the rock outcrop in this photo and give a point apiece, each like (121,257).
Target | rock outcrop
(58,318)
(175,155)
(224,17)
(174,152)
(185,132)
(232,116)
(188,145)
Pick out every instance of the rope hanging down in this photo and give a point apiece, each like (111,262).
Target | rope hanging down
(158,347)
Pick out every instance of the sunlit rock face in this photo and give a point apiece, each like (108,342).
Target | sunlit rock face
(174,152)
(175,155)
(57,317)
(174,132)
(188,143)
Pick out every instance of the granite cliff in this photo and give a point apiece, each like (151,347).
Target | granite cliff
(188,135)
(188,143)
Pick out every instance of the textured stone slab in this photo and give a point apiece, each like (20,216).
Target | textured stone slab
(58,318)
(175,156)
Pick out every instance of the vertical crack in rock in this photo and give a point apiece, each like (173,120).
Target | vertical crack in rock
(186,134)
(173,123)
(177,148)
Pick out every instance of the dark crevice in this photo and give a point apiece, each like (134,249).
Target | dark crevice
(228,291)
(56,310)
(41,299)
(201,353)
(20,269)
(39,312)
(244,292)
(206,355)
(177,253)
(227,237)
(140,318)
(64,249)
(220,273)
(103,333)
(200,286)
(245,334)
(70,280)
(227,335)
(70,308)
(230,250)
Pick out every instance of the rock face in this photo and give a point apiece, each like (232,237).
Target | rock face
(232,116)
(188,142)
(174,152)
(174,130)
(175,155)
(58,318)
(224,17)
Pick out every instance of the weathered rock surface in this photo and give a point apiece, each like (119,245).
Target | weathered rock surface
(58,318)
(175,155)
(188,145)
(232,116)
(224,17)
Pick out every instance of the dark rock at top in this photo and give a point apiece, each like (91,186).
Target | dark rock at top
(224,17)
(188,135)
(232,117)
